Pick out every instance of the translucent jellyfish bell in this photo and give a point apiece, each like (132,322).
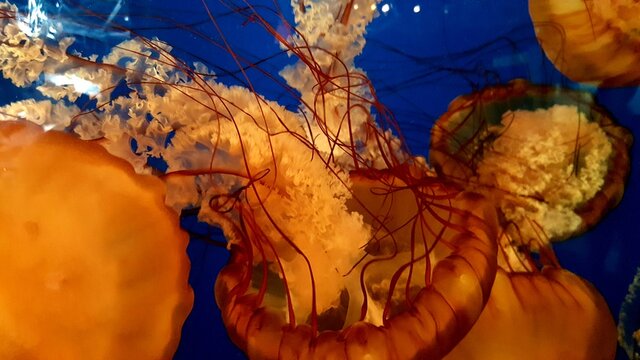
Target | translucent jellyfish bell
(413,291)
(93,263)
(590,41)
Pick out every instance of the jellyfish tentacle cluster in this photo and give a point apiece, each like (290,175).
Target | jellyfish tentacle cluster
(344,244)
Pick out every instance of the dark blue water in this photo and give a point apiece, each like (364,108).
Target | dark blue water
(418,62)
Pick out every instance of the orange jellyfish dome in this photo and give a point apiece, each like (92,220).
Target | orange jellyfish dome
(93,264)
(557,315)
(591,41)
(415,289)
(551,160)
(553,163)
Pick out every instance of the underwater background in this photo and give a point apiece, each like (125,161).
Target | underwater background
(419,56)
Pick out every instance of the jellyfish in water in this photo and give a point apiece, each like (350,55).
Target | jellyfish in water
(80,279)
(553,163)
(551,160)
(294,192)
(593,41)
(343,244)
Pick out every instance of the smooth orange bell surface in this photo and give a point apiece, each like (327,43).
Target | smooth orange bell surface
(94,266)
(553,314)
(590,41)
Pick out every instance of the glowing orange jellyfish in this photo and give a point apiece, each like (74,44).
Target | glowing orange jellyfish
(557,315)
(592,41)
(552,161)
(93,264)
(420,285)
(521,145)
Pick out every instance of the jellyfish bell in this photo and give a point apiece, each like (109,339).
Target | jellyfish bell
(550,314)
(342,245)
(552,160)
(413,290)
(93,263)
(590,41)
(557,314)
(553,163)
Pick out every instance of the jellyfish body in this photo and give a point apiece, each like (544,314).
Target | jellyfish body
(552,161)
(590,41)
(424,276)
(93,264)
(557,315)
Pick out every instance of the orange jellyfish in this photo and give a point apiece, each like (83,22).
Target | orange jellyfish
(94,265)
(593,41)
(417,287)
(550,314)
(553,163)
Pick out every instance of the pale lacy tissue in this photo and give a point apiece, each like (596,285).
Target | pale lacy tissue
(332,34)
(544,164)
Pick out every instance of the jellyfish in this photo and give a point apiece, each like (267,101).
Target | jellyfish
(576,322)
(336,233)
(419,284)
(552,160)
(590,41)
(343,244)
(553,163)
(94,264)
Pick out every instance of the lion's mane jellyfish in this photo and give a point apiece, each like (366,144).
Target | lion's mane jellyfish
(592,41)
(94,265)
(557,315)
